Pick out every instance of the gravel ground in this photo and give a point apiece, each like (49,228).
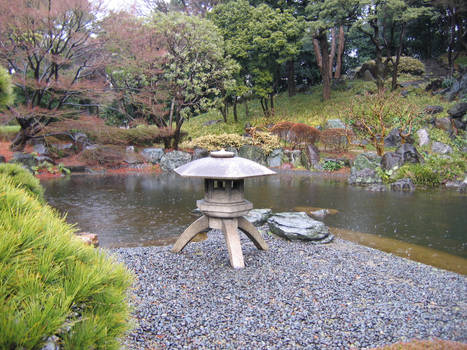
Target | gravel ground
(296,295)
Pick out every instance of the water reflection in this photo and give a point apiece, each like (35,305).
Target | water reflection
(146,209)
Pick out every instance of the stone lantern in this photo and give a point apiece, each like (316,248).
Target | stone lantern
(223,204)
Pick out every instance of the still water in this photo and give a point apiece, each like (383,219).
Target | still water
(134,210)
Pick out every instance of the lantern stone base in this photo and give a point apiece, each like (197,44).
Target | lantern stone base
(230,228)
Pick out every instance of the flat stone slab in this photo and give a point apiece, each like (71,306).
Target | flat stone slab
(298,226)
(258,217)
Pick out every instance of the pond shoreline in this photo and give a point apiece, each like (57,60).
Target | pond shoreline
(297,294)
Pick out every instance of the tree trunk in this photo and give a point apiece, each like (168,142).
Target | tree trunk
(333,51)
(235,109)
(319,59)
(271,98)
(172,105)
(177,133)
(223,110)
(324,47)
(375,39)
(30,127)
(247,110)
(395,65)
(291,78)
(340,52)
(451,41)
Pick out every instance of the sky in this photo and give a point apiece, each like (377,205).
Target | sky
(121,4)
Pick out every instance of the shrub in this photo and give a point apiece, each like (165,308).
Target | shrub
(296,133)
(6,89)
(282,129)
(332,165)
(97,131)
(448,168)
(265,140)
(407,64)
(420,174)
(22,178)
(303,134)
(104,155)
(336,139)
(8,132)
(51,284)
(374,115)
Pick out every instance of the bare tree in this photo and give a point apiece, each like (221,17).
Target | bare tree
(55,54)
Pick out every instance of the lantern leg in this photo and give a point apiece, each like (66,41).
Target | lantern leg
(232,238)
(200,225)
(252,232)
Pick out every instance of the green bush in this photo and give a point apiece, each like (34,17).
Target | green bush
(6,89)
(22,178)
(51,284)
(420,174)
(407,64)
(332,165)
(435,170)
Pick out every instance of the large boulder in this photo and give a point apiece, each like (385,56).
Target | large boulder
(391,160)
(367,76)
(40,149)
(174,159)
(26,159)
(312,154)
(423,137)
(393,139)
(253,153)
(294,157)
(131,157)
(403,185)
(433,109)
(458,110)
(335,124)
(409,154)
(364,177)
(275,158)
(458,89)
(367,160)
(81,140)
(443,124)
(299,226)
(258,217)
(440,148)
(199,153)
(152,155)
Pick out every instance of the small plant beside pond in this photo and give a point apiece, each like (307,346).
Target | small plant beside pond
(332,165)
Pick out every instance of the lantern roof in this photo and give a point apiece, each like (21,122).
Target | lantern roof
(223,165)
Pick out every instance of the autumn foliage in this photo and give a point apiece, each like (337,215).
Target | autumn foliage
(336,139)
(296,133)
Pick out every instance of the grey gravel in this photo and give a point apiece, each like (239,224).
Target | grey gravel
(296,295)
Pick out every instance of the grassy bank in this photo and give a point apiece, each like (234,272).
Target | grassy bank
(307,108)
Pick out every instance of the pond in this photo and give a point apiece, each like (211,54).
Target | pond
(134,210)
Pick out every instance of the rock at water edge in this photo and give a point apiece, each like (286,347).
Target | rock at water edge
(298,226)
(258,217)
(152,155)
(174,159)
